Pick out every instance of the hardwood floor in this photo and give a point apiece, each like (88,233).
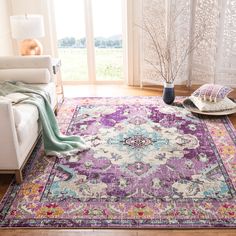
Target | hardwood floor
(34,232)
(115,90)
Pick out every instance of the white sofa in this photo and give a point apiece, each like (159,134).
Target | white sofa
(19,124)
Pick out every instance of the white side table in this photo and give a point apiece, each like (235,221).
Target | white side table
(56,65)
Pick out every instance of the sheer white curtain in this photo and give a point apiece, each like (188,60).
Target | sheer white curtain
(214,59)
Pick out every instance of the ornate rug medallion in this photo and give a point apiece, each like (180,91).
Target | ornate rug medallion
(149,165)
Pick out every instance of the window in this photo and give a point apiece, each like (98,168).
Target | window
(90,41)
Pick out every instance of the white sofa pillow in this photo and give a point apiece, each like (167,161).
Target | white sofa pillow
(28,75)
(224,104)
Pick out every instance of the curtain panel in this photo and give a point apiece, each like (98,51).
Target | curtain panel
(208,25)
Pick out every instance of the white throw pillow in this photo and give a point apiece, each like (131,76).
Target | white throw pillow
(224,104)
(212,92)
(26,75)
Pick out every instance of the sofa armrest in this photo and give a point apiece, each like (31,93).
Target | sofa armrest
(8,139)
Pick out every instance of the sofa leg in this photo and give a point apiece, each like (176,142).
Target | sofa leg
(19,177)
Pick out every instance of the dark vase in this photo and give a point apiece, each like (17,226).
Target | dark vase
(168,93)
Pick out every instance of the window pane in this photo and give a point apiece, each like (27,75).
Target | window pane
(107,25)
(71,36)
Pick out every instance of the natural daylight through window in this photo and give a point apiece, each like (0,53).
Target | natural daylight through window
(89,34)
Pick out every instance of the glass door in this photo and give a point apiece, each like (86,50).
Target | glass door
(89,36)
(107,25)
(72,50)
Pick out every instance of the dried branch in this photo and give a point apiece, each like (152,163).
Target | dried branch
(172,54)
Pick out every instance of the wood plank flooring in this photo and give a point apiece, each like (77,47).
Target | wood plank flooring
(114,90)
(38,232)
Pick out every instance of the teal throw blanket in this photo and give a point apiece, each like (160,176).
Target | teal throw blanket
(54,142)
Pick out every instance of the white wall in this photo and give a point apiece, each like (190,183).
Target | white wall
(42,7)
(131,18)
(6,47)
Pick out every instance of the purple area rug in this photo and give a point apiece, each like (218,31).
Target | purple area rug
(150,166)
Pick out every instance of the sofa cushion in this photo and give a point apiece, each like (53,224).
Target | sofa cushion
(16,97)
(26,114)
(17,115)
(51,89)
(18,112)
(19,62)
(27,118)
(26,75)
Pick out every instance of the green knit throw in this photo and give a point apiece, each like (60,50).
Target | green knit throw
(54,142)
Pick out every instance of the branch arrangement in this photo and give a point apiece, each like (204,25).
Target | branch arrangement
(170,48)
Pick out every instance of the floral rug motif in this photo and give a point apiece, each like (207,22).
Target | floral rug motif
(150,165)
